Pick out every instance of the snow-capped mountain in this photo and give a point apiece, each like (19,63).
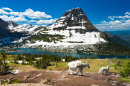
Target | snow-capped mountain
(72,33)
(14,27)
(76,27)
(6,35)
(22,28)
(71,30)
(74,19)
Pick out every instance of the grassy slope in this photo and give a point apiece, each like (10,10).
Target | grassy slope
(95,65)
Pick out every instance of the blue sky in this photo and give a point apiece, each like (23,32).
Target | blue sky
(104,14)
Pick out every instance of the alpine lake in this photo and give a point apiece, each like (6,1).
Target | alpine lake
(41,51)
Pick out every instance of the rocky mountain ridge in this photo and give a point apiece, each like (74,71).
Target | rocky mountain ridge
(74,19)
(72,34)
(6,24)
(6,35)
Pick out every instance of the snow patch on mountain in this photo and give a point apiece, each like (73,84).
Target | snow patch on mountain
(72,29)
(22,28)
(59,23)
(21,39)
(71,38)
(10,25)
(75,27)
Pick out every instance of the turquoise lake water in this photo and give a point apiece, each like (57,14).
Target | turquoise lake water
(41,51)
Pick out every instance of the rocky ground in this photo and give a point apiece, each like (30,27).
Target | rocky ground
(57,78)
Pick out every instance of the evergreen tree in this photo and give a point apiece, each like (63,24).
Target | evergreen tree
(4,69)
(19,57)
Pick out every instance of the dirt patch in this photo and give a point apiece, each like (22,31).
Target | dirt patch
(26,84)
(63,79)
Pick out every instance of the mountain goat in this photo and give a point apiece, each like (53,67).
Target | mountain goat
(78,66)
(104,70)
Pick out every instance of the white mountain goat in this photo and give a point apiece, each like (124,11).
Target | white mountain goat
(104,70)
(78,66)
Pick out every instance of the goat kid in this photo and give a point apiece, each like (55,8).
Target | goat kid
(104,70)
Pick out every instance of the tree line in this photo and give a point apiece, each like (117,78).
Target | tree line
(38,61)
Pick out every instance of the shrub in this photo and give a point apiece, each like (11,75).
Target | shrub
(125,71)
(42,63)
(47,81)
(15,81)
(4,82)
(70,58)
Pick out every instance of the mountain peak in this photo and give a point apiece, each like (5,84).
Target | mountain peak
(75,9)
(74,19)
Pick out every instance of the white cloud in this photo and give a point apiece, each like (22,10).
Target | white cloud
(110,17)
(127,13)
(3,12)
(12,18)
(36,14)
(126,16)
(28,16)
(20,14)
(120,17)
(46,21)
(17,19)
(127,23)
(43,21)
(115,23)
(32,21)
(6,8)
(104,22)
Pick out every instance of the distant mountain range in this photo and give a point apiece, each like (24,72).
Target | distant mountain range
(10,31)
(116,39)
(123,34)
(74,33)
(6,36)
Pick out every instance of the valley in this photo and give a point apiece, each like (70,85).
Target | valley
(33,55)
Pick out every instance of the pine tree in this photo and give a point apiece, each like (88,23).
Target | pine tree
(3,66)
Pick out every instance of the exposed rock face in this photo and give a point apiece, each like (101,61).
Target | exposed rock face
(4,32)
(3,23)
(6,24)
(6,36)
(74,19)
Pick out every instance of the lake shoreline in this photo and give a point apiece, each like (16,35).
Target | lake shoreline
(61,54)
